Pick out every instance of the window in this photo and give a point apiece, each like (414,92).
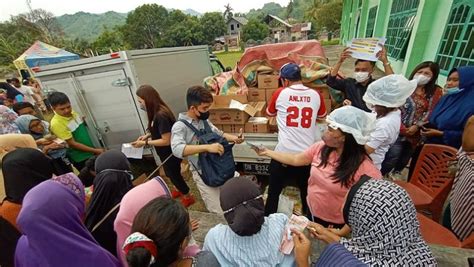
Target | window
(231,27)
(457,46)
(400,24)
(238,25)
(369,32)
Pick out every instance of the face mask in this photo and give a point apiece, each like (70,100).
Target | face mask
(331,141)
(361,76)
(142,107)
(454,90)
(203,115)
(421,79)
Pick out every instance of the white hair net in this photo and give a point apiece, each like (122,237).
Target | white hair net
(354,121)
(390,91)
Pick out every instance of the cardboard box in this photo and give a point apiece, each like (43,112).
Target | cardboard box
(232,128)
(222,113)
(268,94)
(261,108)
(267,81)
(255,95)
(257,125)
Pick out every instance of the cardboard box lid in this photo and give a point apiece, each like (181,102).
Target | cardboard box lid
(227,102)
(258,120)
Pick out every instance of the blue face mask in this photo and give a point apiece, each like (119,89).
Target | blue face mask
(453,90)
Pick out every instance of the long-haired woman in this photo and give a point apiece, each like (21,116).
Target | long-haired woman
(160,122)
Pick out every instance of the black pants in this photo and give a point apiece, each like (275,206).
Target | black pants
(414,159)
(79,165)
(397,157)
(172,169)
(280,176)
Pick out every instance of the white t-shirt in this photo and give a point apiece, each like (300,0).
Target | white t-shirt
(297,107)
(384,135)
(28,93)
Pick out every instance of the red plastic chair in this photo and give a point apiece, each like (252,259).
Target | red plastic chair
(431,181)
(435,233)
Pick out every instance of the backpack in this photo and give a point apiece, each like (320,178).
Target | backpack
(215,169)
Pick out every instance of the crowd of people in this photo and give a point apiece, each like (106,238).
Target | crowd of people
(343,163)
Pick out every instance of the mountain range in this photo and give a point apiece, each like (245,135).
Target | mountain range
(89,26)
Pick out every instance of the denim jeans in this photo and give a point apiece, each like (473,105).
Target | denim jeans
(397,156)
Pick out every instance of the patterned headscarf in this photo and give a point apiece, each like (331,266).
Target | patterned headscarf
(7,121)
(385,229)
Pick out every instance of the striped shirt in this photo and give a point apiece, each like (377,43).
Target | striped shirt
(337,254)
(261,249)
(462,202)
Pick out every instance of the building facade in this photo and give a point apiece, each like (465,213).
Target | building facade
(416,31)
(235,25)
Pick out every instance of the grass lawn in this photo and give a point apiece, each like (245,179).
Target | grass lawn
(229,59)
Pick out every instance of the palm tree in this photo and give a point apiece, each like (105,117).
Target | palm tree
(228,12)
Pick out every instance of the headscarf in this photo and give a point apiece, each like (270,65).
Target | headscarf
(9,236)
(7,120)
(453,110)
(242,203)
(131,203)
(385,229)
(11,90)
(53,232)
(23,169)
(112,182)
(23,122)
(12,141)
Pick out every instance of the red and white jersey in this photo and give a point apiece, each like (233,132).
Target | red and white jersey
(297,107)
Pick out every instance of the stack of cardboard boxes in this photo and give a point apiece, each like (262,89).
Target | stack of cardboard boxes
(231,113)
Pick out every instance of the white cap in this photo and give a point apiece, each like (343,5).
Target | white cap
(390,91)
(354,121)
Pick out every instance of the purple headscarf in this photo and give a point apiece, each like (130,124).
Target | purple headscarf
(53,232)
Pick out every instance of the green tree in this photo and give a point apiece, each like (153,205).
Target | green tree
(228,15)
(332,10)
(185,33)
(16,36)
(145,26)
(213,26)
(255,30)
(78,46)
(109,40)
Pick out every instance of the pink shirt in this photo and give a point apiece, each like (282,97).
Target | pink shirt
(326,198)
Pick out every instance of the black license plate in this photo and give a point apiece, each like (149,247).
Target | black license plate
(256,168)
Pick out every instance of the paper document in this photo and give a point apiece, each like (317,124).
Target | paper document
(366,48)
(237,105)
(296,222)
(132,152)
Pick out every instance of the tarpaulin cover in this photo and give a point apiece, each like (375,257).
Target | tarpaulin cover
(40,54)
(309,55)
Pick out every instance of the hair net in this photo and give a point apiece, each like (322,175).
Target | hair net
(390,91)
(354,121)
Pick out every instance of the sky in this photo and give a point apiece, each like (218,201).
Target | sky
(61,7)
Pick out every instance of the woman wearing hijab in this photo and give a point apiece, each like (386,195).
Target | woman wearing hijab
(9,142)
(450,115)
(337,163)
(160,233)
(22,169)
(112,182)
(249,238)
(385,230)
(48,143)
(131,203)
(53,232)
(7,121)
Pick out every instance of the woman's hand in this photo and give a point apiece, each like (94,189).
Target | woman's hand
(302,248)
(138,144)
(323,233)
(412,130)
(43,142)
(262,151)
(429,132)
(143,137)
(194,224)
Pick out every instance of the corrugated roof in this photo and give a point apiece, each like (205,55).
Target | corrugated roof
(241,20)
(280,20)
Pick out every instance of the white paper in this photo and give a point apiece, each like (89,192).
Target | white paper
(237,105)
(258,120)
(366,48)
(132,152)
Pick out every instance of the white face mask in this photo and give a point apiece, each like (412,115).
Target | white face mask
(361,76)
(421,79)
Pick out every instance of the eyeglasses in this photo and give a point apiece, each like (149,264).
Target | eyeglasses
(243,203)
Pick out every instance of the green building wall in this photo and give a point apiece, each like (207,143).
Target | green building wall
(427,32)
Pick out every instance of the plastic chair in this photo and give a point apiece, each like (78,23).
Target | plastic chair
(435,233)
(431,181)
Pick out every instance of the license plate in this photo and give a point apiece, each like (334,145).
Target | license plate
(256,168)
